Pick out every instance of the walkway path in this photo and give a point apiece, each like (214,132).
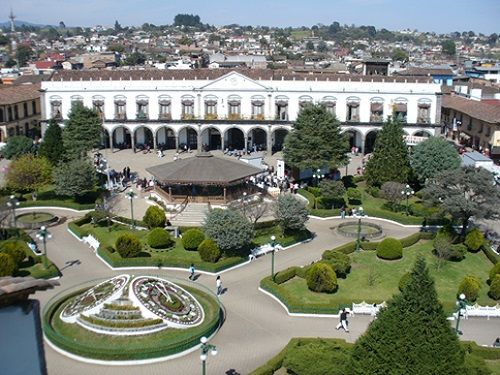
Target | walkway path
(256,328)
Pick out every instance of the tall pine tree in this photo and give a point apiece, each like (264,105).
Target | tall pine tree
(411,336)
(316,140)
(82,131)
(390,161)
(52,145)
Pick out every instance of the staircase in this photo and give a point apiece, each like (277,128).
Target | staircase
(193,215)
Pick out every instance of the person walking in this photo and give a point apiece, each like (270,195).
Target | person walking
(342,212)
(343,321)
(218,284)
(191,272)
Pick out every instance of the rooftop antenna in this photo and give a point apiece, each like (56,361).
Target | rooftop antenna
(12,17)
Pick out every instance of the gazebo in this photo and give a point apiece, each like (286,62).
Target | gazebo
(204,178)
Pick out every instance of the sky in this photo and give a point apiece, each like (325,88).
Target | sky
(441,16)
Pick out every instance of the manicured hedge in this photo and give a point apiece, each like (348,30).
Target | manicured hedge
(75,226)
(159,238)
(488,353)
(390,249)
(470,286)
(57,203)
(285,275)
(494,291)
(209,251)
(490,254)
(192,238)
(321,278)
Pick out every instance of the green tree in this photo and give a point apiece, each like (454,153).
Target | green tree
(17,146)
(332,193)
(52,145)
(23,54)
(321,278)
(29,173)
(399,55)
(463,193)
(290,213)
(432,157)
(187,20)
(128,245)
(229,229)
(118,27)
(135,58)
(154,217)
(74,178)
(315,140)
(7,265)
(410,336)
(390,160)
(82,131)
(448,47)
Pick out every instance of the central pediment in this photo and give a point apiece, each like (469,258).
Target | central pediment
(235,81)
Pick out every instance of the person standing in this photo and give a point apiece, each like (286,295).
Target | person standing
(218,284)
(343,321)
(342,212)
(191,272)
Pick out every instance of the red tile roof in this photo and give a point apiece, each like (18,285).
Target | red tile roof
(480,110)
(19,93)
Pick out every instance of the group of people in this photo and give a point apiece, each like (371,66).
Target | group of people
(218,280)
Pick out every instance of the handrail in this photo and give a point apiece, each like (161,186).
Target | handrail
(183,206)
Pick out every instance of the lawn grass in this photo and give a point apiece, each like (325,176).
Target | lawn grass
(494,366)
(80,341)
(46,197)
(374,280)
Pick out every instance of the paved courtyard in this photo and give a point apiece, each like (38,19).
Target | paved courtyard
(256,327)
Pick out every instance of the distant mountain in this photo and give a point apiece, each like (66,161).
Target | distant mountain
(19,23)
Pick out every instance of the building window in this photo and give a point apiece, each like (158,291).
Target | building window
(304,101)
(234,107)
(120,108)
(488,131)
(142,103)
(55,108)
(258,107)
(377,110)
(98,105)
(281,104)
(33,107)
(469,126)
(76,99)
(330,104)
(25,107)
(352,109)
(16,112)
(424,111)
(187,107)
(1,116)
(164,107)
(210,107)
(401,110)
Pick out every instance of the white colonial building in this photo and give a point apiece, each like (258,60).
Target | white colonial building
(219,109)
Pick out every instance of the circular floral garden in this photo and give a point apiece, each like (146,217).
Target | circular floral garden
(131,318)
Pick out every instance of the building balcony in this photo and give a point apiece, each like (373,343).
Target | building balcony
(120,116)
(423,120)
(353,118)
(376,118)
(165,116)
(234,116)
(141,116)
(211,116)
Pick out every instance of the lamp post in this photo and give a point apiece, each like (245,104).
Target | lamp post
(205,348)
(43,234)
(359,214)
(407,191)
(13,202)
(318,176)
(461,304)
(105,168)
(273,244)
(131,195)
(244,203)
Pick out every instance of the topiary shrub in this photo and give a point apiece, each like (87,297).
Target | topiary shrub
(159,238)
(14,249)
(495,288)
(474,240)
(209,251)
(354,196)
(7,265)
(128,245)
(154,217)
(340,262)
(390,249)
(495,270)
(457,252)
(285,275)
(321,278)
(470,286)
(192,238)
(403,281)
(373,191)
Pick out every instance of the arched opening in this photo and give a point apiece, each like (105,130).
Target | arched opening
(370,141)
(211,139)
(423,133)
(188,137)
(355,139)
(257,139)
(165,138)
(105,140)
(143,138)
(122,138)
(279,139)
(234,139)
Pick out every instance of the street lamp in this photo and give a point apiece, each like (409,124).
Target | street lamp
(461,304)
(359,213)
(13,202)
(105,168)
(317,176)
(131,195)
(43,234)
(273,244)
(205,348)
(407,191)
(243,203)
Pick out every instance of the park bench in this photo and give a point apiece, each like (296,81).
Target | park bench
(34,248)
(366,308)
(92,242)
(482,311)
(264,249)
(173,230)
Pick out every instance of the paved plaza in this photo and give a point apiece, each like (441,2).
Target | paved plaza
(256,328)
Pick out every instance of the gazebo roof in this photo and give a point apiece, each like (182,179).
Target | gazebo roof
(203,169)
